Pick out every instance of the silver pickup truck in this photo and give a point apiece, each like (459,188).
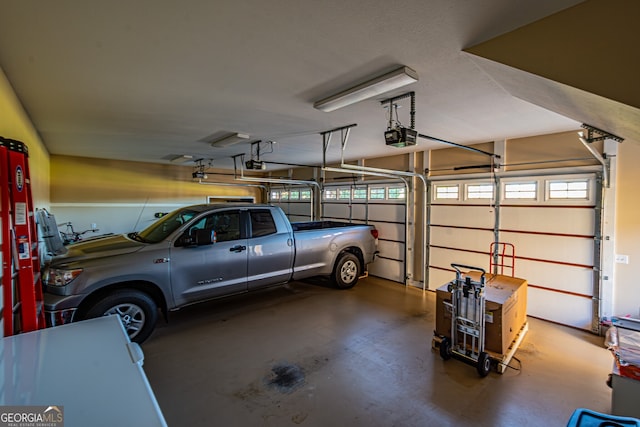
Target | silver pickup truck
(197,253)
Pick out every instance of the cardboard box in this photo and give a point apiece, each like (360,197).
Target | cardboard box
(505,310)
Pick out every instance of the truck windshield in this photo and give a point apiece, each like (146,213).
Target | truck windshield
(160,230)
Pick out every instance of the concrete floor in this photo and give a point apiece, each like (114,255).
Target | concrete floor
(307,354)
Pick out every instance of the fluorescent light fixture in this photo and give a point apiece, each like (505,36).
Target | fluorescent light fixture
(379,85)
(230,139)
(182,159)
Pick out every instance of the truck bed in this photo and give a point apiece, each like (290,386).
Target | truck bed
(318,225)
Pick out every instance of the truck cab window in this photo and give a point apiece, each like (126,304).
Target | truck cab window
(262,223)
(225,224)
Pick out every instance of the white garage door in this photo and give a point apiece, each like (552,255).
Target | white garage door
(552,222)
(295,202)
(381,204)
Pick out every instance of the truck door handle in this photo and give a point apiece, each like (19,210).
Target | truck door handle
(238,248)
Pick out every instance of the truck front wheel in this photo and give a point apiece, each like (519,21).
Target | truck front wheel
(346,271)
(138,312)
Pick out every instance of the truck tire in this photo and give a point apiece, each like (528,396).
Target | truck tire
(347,271)
(137,310)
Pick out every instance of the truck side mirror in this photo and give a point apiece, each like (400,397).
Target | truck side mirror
(204,237)
(184,240)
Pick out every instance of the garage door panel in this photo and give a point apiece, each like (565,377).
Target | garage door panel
(475,240)
(439,277)
(360,221)
(556,248)
(578,221)
(297,212)
(387,269)
(469,216)
(393,250)
(443,258)
(358,211)
(555,276)
(387,212)
(561,308)
(389,231)
(300,209)
(334,210)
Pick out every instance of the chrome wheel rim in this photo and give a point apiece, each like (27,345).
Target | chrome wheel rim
(348,271)
(131,316)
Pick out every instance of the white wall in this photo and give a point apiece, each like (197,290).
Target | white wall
(626,292)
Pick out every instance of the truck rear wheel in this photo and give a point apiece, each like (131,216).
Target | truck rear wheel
(346,271)
(138,312)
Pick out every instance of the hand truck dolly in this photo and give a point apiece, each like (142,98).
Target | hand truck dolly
(467,320)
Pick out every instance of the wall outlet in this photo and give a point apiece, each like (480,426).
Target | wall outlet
(622,259)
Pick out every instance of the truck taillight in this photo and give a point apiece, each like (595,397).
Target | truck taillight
(374,233)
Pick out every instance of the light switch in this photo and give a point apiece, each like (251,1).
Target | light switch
(622,259)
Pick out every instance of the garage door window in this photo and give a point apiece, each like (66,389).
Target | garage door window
(377,193)
(330,194)
(360,193)
(521,190)
(344,194)
(397,193)
(446,192)
(480,191)
(305,194)
(275,195)
(568,190)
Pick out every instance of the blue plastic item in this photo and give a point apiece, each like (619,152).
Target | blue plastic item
(587,418)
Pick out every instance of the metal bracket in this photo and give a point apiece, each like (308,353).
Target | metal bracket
(602,134)
(412,112)
(326,140)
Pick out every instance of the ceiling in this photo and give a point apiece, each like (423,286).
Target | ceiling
(149,80)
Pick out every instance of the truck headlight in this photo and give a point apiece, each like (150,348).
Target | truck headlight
(59,276)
